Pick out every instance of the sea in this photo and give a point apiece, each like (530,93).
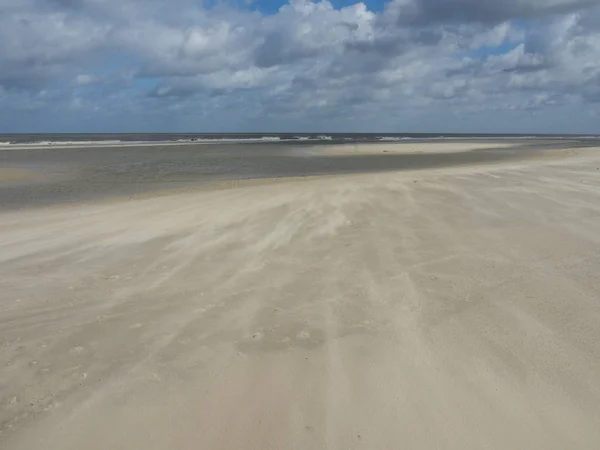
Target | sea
(78,139)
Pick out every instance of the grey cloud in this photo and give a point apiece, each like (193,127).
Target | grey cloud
(397,43)
(278,49)
(423,12)
(72,4)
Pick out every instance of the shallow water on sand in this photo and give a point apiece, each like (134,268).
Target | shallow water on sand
(64,175)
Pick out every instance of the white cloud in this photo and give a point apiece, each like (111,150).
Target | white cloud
(308,64)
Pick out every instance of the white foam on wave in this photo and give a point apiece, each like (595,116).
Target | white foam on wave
(392,138)
(229,140)
(71,143)
(113,143)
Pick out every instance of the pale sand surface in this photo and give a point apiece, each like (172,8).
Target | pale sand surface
(450,308)
(407,147)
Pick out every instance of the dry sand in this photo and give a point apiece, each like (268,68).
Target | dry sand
(452,308)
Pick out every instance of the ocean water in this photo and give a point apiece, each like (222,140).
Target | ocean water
(229,138)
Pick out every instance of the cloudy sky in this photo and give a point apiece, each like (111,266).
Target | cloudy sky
(530,66)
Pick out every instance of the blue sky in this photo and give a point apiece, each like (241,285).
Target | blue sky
(404,65)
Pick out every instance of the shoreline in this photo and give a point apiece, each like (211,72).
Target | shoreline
(73,175)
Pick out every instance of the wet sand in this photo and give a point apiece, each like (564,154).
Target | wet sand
(71,174)
(8,175)
(453,307)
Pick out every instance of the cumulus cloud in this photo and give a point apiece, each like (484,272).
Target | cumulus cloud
(416,64)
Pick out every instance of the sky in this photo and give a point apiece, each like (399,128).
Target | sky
(484,66)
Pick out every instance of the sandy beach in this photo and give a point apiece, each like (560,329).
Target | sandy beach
(432,298)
